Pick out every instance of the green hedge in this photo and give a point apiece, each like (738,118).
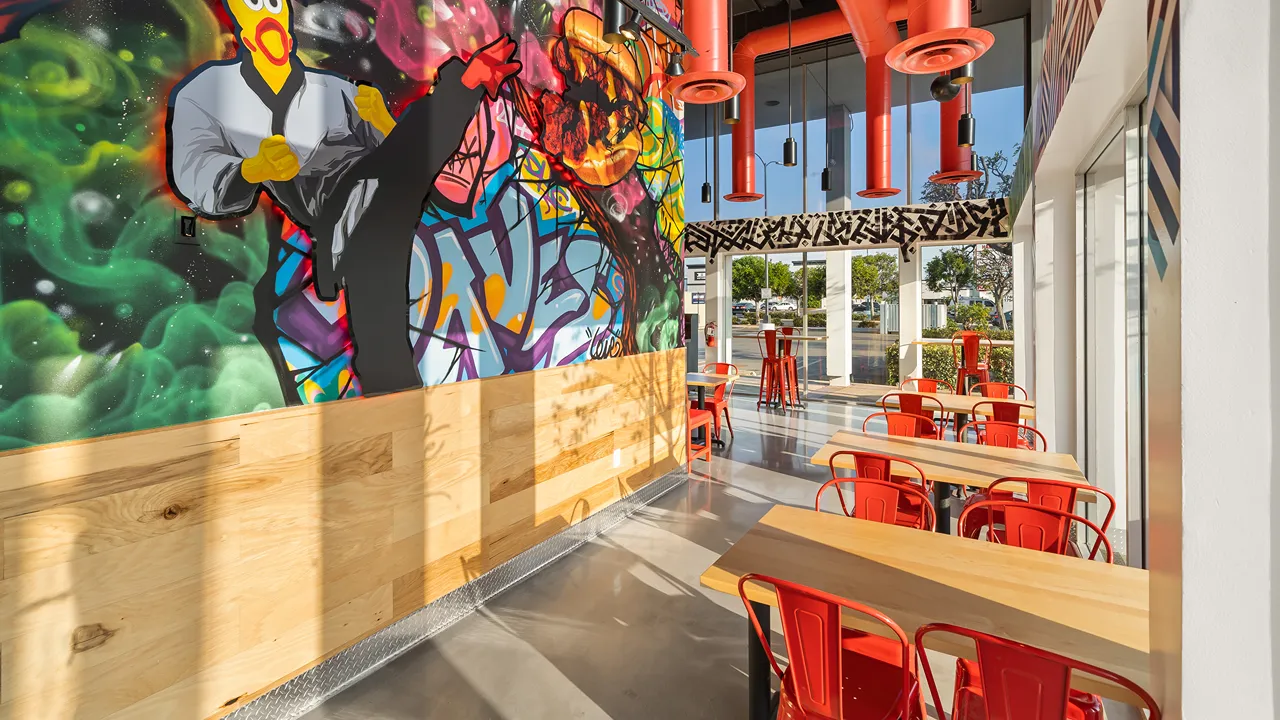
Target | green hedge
(939,365)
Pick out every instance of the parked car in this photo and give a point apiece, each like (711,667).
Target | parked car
(743,306)
(782,305)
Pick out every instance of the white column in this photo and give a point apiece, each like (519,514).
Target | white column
(839,269)
(910,317)
(1230,379)
(1024,317)
(719,308)
(1054,206)
(839,317)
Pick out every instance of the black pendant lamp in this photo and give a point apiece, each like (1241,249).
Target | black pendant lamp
(731,106)
(614,17)
(790,155)
(826,89)
(706,161)
(674,68)
(962,75)
(631,28)
(967,133)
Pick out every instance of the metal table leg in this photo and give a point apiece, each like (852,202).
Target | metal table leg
(702,403)
(942,507)
(759,680)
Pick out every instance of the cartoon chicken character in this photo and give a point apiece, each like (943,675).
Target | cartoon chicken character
(331,155)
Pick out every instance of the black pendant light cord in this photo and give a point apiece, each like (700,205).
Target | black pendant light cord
(706,144)
(826,88)
(789,48)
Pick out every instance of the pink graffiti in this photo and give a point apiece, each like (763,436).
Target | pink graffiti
(418,42)
(485,148)
(538,71)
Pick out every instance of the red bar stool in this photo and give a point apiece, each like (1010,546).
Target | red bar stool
(789,364)
(1013,680)
(718,404)
(967,357)
(774,376)
(835,673)
(704,420)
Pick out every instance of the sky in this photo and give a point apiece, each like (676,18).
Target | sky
(999,116)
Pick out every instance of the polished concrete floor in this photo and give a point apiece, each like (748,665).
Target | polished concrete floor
(621,629)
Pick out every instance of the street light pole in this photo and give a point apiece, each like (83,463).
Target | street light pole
(766,214)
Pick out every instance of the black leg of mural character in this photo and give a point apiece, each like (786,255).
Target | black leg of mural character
(332,157)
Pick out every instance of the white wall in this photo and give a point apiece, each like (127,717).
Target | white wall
(1230,128)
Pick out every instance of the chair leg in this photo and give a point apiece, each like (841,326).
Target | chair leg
(728,423)
(716,421)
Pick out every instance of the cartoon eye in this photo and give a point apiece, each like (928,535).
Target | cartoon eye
(274,6)
(254,5)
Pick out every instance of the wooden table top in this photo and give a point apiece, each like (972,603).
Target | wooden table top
(963,404)
(709,380)
(947,341)
(1091,611)
(957,463)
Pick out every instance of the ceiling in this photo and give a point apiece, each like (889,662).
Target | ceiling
(1001,67)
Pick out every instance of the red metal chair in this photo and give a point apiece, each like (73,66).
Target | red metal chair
(882,502)
(902,424)
(718,404)
(928,385)
(1031,526)
(699,419)
(835,673)
(789,364)
(969,360)
(1004,411)
(1042,492)
(998,390)
(1003,434)
(774,377)
(914,404)
(877,468)
(1011,680)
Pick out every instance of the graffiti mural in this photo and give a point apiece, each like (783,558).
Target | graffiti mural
(385,195)
(902,227)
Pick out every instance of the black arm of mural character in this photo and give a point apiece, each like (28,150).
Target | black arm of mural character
(420,142)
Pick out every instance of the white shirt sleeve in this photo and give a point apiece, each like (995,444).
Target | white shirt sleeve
(204,167)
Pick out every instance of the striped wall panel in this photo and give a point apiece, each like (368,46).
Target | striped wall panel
(1164,158)
(1068,35)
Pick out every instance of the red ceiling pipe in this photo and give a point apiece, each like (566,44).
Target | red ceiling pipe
(957,161)
(707,78)
(876,34)
(815,28)
(939,38)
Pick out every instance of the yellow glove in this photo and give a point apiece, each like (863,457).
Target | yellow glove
(274,162)
(373,109)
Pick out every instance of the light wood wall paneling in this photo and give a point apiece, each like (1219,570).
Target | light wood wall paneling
(180,572)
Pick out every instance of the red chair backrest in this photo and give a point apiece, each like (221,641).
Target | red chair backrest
(722,369)
(874,466)
(1003,434)
(877,500)
(1032,527)
(905,424)
(912,403)
(1053,494)
(971,344)
(998,390)
(1005,412)
(928,385)
(1021,682)
(812,631)
(787,332)
(768,341)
